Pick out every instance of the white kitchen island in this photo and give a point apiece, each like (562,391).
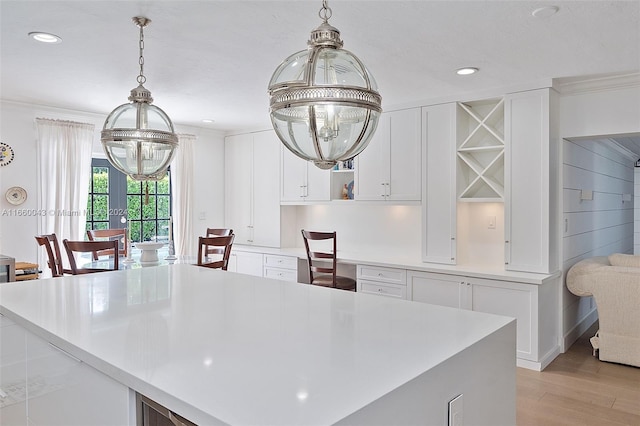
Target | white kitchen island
(218,347)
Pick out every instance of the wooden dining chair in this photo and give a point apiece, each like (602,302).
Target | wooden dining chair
(50,243)
(217,232)
(73,247)
(322,260)
(223,247)
(119,235)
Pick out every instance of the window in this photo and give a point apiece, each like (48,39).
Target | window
(114,197)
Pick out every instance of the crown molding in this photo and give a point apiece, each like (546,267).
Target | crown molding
(574,85)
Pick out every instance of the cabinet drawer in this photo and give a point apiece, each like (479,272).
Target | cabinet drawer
(386,275)
(389,290)
(286,262)
(281,274)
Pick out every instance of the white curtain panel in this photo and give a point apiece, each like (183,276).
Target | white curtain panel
(63,155)
(182,196)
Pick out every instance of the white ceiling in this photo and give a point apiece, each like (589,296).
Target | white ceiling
(214,59)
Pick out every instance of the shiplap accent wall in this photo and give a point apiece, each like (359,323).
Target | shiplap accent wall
(595,227)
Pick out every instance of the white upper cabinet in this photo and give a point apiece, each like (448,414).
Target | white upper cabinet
(302,181)
(252,178)
(389,169)
(238,152)
(531,184)
(439,187)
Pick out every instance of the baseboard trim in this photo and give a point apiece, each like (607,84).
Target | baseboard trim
(542,364)
(579,329)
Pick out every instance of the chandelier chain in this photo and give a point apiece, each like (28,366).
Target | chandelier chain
(141,78)
(325,13)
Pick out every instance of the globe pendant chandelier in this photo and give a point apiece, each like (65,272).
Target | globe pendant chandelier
(138,138)
(324,103)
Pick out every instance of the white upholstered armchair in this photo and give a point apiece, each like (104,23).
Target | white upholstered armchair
(614,283)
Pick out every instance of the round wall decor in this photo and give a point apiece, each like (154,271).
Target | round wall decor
(6,154)
(16,195)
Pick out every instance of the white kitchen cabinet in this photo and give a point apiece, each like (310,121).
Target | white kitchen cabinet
(302,181)
(245,262)
(537,332)
(252,209)
(63,390)
(280,267)
(531,206)
(390,282)
(390,168)
(46,386)
(13,373)
(439,188)
(437,289)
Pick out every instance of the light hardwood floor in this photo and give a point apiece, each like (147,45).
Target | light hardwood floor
(578,389)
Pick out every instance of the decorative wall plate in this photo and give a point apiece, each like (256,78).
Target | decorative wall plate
(16,195)
(6,154)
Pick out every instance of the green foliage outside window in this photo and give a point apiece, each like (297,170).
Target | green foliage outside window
(148,221)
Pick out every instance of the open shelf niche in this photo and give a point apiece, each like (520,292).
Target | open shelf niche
(480,150)
(342,176)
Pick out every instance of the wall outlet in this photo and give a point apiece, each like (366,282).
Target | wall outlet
(456,417)
(202,216)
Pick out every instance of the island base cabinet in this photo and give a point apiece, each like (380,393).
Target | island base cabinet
(13,399)
(62,390)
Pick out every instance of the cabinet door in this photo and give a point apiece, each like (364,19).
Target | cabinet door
(266,189)
(437,289)
(514,300)
(13,373)
(318,183)
(405,160)
(293,177)
(62,390)
(246,263)
(439,194)
(372,164)
(528,226)
(238,177)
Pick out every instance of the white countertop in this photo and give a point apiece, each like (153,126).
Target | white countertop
(217,346)
(413,263)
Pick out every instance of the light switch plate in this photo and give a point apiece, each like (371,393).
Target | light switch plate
(491,220)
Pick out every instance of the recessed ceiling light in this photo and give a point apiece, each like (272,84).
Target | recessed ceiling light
(45,37)
(207,120)
(467,71)
(545,12)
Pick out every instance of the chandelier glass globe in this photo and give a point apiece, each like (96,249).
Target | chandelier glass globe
(324,102)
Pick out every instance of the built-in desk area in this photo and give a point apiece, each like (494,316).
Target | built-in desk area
(218,347)
(530,298)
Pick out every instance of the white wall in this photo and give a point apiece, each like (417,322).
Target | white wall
(596,227)
(636,216)
(18,129)
(477,243)
(601,111)
(365,227)
(589,110)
